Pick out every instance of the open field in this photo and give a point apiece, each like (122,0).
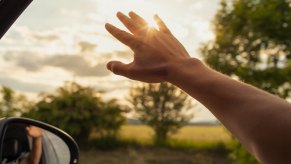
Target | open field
(193,134)
(199,145)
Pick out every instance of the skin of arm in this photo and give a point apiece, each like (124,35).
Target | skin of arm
(35,154)
(261,121)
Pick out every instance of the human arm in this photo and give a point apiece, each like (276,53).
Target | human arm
(35,153)
(258,119)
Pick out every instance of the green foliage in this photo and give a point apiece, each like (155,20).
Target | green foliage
(253,43)
(79,111)
(110,120)
(12,104)
(161,106)
(240,155)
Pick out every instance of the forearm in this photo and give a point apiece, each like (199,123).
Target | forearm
(255,117)
(36,151)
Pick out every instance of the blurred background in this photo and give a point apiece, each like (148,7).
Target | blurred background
(53,69)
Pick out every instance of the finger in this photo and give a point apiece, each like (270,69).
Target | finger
(137,19)
(124,37)
(118,68)
(161,24)
(128,23)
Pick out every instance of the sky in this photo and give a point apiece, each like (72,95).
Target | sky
(57,41)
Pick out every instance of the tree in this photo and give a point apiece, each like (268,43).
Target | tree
(111,119)
(161,106)
(12,104)
(79,111)
(253,43)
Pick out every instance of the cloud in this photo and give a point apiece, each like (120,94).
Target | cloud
(75,64)
(124,54)
(24,59)
(45,37)
(23,32)
(24,86)
(87,46)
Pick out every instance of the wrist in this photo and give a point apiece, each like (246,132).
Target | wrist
(184,69)
(36,138)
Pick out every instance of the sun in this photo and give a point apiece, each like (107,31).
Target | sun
(152,23)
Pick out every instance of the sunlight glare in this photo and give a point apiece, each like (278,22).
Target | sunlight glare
(152,23)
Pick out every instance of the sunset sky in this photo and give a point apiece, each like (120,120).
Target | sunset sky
(57,41)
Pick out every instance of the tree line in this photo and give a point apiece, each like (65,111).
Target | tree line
(81,111)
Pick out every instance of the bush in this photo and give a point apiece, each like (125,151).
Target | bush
(79,111)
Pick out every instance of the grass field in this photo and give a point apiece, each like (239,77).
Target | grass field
(199,140)
(188,133)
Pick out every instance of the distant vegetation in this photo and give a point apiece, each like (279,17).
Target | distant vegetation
(12,104)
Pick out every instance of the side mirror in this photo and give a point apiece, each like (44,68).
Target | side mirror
(23,140)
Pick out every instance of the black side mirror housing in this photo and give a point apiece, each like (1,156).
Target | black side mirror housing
(10,10)
(18,137)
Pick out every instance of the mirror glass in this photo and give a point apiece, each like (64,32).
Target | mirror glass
(27,144)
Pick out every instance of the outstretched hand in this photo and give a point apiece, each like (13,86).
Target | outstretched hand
(154,49)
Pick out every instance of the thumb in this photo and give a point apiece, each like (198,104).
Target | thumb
(118,68)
